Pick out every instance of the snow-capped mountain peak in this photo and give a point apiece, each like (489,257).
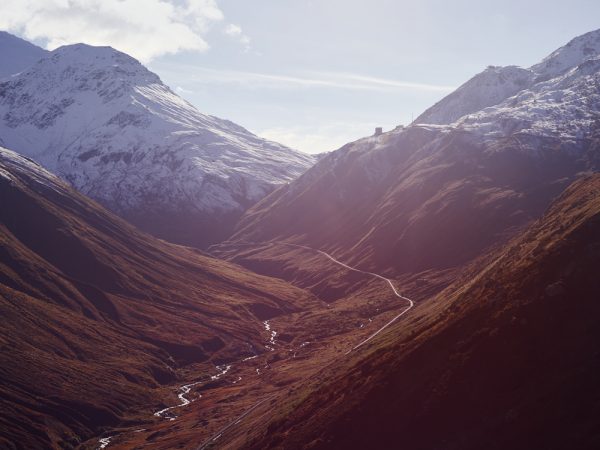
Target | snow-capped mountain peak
(485,89)
(102,121)
(565,106)
(514,88)
(79,61)
(571,55)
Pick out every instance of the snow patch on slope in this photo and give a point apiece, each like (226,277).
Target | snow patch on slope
(512,84)
(485,89)
(17,164)
(577,51)
(111,128)
(565,107)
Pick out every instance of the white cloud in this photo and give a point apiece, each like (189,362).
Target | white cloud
(145,29)
(235,32)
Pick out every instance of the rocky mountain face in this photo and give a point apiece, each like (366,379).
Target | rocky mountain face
(17,55)
(100,120)
(96,316)
(430,198)
(488,88)
(497,84)
(503,358)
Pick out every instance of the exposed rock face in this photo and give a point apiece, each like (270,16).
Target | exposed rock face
(497,84)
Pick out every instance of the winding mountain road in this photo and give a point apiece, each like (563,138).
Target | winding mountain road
(222,370)
(219,433)
(410,305)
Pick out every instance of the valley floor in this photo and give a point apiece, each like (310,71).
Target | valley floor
(205,411)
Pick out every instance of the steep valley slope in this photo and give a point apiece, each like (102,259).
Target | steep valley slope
(102,121)
(97,316)
(506,357)
(427,199)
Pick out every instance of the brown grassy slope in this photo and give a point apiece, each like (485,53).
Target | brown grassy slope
(95,314)
(507,357)
(417,199)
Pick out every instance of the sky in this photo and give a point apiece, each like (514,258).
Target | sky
(311,74)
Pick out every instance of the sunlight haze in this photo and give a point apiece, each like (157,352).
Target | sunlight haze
(312,75)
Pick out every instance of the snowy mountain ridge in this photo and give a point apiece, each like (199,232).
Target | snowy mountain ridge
(575,52)
(102,121)
(539,114)
(498,84)
(17,54)
(565,107)
(433,196)
(485,89)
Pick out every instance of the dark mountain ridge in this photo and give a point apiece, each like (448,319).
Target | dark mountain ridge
(428,198)
(506,357)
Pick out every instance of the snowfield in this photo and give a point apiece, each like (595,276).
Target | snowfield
(559,97)
(99,119)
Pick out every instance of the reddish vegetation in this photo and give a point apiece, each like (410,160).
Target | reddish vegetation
(415,200)
(427,288)
(506,357)
(101,323)
(306,342)
(97,315)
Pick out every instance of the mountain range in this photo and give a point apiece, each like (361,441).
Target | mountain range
(506,357)
(103,122)
(428,198)
(430,287)
(89,327)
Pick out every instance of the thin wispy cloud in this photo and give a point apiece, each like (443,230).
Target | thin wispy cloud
(383,82)
(330,80)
